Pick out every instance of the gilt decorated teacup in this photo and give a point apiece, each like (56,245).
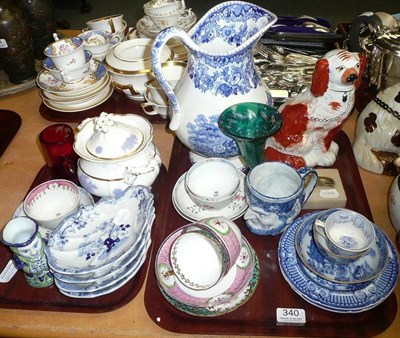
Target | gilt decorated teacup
(276,193)
(99,42)
(66,54)
(112,23)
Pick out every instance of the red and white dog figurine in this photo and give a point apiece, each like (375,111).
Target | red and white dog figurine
(313,118)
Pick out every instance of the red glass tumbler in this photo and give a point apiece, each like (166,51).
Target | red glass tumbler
(57,145)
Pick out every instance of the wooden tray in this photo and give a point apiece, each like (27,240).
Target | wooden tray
(118,103)
(18,295)
(258,315)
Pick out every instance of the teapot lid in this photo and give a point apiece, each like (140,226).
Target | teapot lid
(112,139)
(388,40)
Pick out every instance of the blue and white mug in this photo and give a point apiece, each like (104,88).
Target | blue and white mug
(276,193)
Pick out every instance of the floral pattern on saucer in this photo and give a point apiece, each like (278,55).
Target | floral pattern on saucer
(48,82)
(363,269)
(346,298)
(189,210)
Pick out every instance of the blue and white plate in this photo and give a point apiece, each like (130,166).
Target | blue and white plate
(322,293)
(365,268)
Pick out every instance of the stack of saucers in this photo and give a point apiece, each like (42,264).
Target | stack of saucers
(339,261)
(71,80)
(101,247)
(207,268)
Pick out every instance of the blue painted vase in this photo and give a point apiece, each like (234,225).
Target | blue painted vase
(220,72)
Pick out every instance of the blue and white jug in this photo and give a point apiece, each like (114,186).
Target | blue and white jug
(220,72)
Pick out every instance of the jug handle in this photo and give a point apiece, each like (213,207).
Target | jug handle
(355,27)
(159,42)
(309,188)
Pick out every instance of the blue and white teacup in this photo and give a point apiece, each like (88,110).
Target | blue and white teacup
(276,193)
(66,54)
(346,233)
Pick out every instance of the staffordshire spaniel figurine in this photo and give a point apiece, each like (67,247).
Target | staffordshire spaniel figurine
(312,119)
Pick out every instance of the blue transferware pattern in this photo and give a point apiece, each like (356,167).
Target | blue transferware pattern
(104,232)
(109,288)
(108,281)
(332,296)
(220,72)
(269,216)
(361,270)
(100,275)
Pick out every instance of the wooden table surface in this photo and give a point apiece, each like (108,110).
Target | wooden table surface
(19,165)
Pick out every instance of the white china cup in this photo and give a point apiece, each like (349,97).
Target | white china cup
(226,232)
(52,201)
(155,93)
(68,76)
(163,7)
(99,42)
(168,20)
(112,23)
(212,183)
(151,108)
(66,54)
(198,259)
(346,233)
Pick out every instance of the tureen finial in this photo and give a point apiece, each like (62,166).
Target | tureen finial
(104,122)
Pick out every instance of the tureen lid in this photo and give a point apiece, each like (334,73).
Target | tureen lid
(112,139)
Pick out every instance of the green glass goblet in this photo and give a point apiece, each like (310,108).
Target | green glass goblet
(250,124)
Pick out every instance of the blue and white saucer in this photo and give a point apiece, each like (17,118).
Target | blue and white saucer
(332,296)
(365,268)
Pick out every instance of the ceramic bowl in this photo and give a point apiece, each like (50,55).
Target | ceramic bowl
(66,54)
(143,173)
(100,176)
(52,201)
(131,84)
(227,233)
(111,23)
(198,259)
(99,42)
(152,108)
(163,7)
(212,183)
(133,56)
(68,76)
(345,233)
(167,20)
(109,229)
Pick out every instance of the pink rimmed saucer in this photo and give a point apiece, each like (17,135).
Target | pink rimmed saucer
(229,287)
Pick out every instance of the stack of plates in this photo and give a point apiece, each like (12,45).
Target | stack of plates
(344,288)
(234,289)
(100,248)
(91,91)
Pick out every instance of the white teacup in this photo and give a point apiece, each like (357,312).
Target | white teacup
(198,259)
(151,108)
(212,183)
(66,54)
(99,42)
(52,201)
(347,233)
(112,23)
(163,7)
(68,76)
(168,20)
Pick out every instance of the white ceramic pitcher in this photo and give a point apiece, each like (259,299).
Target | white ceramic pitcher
(220,73)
